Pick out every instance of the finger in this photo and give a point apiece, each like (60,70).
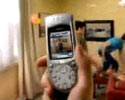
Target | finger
(84,86)
(46,85)
(79,50)
(81,56)
(84,66)
(42,61)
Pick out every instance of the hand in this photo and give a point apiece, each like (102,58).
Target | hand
(84,86)
(110,71)
(99,69)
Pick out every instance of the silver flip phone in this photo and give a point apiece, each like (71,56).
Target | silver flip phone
(60,39)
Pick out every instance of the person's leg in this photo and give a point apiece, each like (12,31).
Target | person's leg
(106,65)
(115,65)
(112,61)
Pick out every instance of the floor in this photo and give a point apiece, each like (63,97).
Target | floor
(101,93)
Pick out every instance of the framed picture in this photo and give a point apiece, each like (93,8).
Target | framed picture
(99,30)
(42,24)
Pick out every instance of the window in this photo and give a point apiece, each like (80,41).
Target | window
(9,31)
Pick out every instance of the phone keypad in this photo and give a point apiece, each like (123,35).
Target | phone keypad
(73,63)
(63,76)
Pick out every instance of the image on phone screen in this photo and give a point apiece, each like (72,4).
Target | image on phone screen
(60,45)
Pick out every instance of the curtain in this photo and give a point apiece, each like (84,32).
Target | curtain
(9,31)
(29,77)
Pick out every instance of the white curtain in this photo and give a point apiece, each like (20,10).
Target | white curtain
(16,44)
(9,31)
(29,77)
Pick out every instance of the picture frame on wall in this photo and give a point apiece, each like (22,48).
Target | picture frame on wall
(99,30)
(42,24)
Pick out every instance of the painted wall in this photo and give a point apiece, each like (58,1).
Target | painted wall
(98,10)
(107,9)
(51,6)
(82,10)
(43,6)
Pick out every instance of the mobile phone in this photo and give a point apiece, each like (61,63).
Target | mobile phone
(60,42)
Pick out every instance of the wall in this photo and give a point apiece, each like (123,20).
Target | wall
(82,10)
(51,6)
(98,10)
(9,83)
(107,9)
(43,6)
(75,7)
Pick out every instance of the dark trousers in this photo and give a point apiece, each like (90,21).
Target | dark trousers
(110,61)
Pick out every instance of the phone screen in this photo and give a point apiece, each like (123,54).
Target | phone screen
(60,45)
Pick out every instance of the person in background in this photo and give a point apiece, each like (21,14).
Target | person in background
(60,46)
(109,63)
(80,32)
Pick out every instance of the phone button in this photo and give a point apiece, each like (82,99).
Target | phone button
(50,65)
(54,75)
(73,73)
(54,80)
(73,63)
(60,87)
(68,86)
(63,70)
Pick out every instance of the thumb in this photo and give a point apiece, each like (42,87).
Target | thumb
(81,57)
(46,85)
(84,65)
